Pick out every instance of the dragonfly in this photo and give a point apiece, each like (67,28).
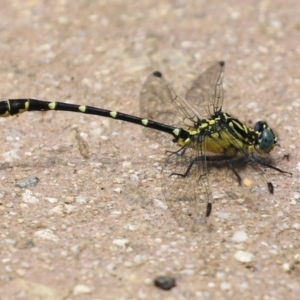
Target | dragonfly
(198,135)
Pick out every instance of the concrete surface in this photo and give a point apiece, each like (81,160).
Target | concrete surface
(96,226)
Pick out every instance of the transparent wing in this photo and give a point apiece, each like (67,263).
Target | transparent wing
(205,97)
(159,103)
(186,197)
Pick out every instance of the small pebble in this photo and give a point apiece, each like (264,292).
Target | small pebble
(111,268)
(121,242)
(134,177)
(160,204)
(29,197)
(139,259)
(128,264)
(126,164)
(243,256)
(30,181)
(56,210)
(223,215)
(225,286)
(81,289)
(81,200)
(165,282)
(240,236)
(118,180)
(286,267)
(69,200)
(20,272)
(10,241)
(51,200)
(46,234)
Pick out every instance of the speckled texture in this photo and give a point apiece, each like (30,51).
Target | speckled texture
(98,228)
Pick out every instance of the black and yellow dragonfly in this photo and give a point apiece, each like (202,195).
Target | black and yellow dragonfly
(204,136)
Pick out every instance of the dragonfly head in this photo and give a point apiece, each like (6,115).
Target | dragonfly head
(266,137)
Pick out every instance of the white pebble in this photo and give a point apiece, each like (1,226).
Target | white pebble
(139,259)
(297,257)
(116,213)
(29,197)
(121,242)
(51,200)
(118,180)
(296,196)
(111,268)
(243,256)
(117,190)
(68,208)
(56,210)
(240,200)
(25,264)
(240,236)
(220,274)
(126,164)
(10,241)
(80,289)
(81,200)
(225,286)
(244,285)
(131,227)
(223,215)
(128,264)
(187,272)
(20,272)
(160,204)
(134,177)
(286,267)
(46,234)
(8,268)
(296,226)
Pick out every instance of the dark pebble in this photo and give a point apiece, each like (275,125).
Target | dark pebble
(30,181)
(165,282)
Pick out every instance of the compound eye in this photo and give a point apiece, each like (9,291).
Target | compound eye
(266,140)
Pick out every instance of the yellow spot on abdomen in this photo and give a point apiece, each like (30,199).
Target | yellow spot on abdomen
(52,105)
(113,114)
(176,131)
(27,104)
(82,108)
(6,114)
(145,122)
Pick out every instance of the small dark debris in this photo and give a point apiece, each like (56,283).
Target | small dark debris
(208,209)
(286,156)
(26,245)
(165,282)
(30,181)
(271,187)
(157,74)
